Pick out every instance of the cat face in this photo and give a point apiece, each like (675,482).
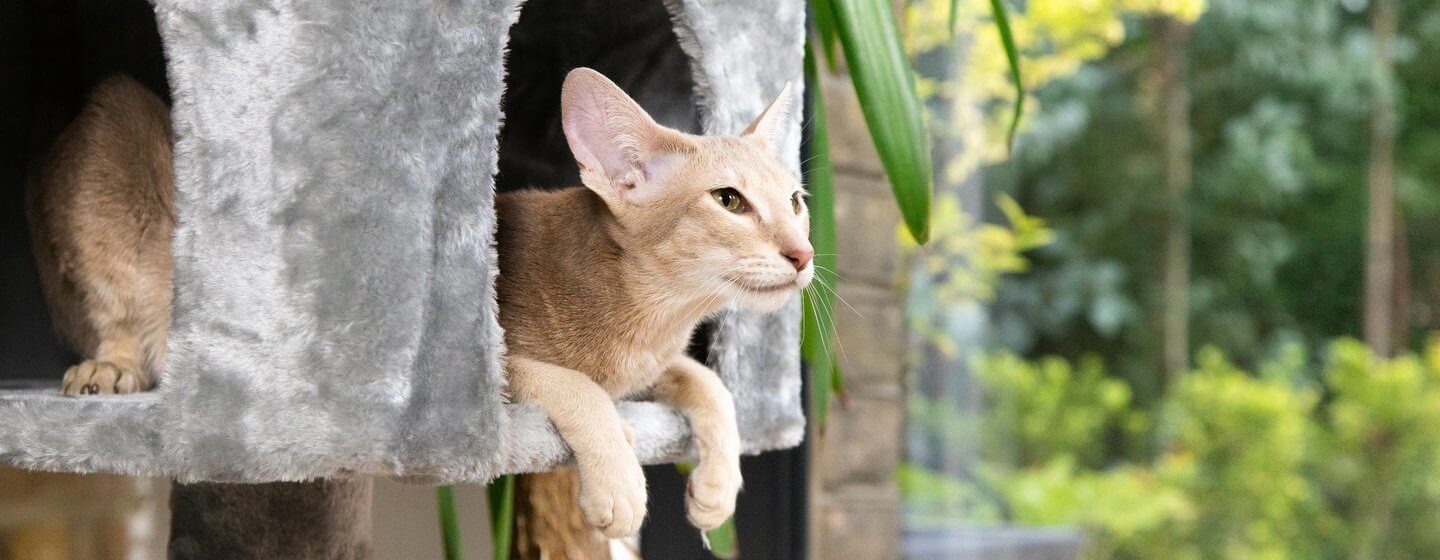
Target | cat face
(718,217)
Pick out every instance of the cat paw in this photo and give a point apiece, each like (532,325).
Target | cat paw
(710,493)
(94,377)
(613,500)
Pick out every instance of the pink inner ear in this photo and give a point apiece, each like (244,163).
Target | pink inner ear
(613,138)
(593,138)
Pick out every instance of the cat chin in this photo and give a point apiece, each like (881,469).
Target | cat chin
(765,302)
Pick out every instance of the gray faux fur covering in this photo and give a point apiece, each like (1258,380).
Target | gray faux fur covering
(334,303)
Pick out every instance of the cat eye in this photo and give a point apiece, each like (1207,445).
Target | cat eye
(730,199)
(797,202)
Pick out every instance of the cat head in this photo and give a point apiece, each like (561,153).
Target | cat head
(719,214)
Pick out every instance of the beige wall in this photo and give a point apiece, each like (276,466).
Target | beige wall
(407,525)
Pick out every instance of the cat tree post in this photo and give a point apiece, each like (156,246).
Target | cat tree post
(326,519)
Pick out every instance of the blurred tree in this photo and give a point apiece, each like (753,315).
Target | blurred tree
(1381,260)
(1172,116)
(1277,91)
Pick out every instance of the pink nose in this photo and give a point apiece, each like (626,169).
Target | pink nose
(799,256)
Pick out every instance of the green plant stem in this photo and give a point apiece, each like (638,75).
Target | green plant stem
(449,522)
(501,494)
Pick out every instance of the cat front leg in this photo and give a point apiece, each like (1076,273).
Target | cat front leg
(612,485)
(697,392)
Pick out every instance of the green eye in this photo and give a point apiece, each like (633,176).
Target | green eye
(796,203)
(730,199)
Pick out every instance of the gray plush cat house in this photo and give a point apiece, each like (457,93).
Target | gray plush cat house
(334,263)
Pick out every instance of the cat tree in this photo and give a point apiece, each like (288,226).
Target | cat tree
(334,269)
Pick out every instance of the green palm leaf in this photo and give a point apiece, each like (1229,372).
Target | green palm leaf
(883,83)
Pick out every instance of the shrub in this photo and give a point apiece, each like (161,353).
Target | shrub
(1242,466)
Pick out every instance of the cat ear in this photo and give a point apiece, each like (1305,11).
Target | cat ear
(621,150)
(769,127)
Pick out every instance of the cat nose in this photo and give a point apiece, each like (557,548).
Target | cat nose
(799,256)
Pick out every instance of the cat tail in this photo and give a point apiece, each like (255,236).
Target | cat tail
(548,523)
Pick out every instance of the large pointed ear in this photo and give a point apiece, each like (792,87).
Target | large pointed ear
(769,127)
(622,152)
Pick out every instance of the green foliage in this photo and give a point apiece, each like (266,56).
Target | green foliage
(1279,94)
(1047,409)
(1127,512)
(1382,450)
(1243,465)
(1227,435)
(880,72)
(933,499)
(964,264)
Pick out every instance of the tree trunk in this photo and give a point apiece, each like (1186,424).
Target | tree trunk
(1380,225)
(1400,306)
(317,520)
(1174,122)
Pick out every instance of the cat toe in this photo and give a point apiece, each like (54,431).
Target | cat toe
(94,377)
(614,502)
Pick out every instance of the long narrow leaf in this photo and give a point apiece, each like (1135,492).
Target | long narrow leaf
(817,332)
(954,15)
(501,494)
(449,522)
(825,24)
(886,89)
(1012,55)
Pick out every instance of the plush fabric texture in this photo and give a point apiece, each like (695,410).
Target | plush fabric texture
(334,268)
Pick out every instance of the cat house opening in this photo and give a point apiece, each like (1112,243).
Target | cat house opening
(52,52)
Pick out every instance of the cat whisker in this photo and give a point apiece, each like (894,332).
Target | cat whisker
(831,289)
(826,322)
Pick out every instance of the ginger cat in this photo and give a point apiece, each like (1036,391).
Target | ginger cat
(601,287)
(101,219)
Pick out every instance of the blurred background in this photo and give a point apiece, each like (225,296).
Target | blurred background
(1191,313)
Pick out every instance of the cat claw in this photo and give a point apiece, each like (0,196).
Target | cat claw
(95,377)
